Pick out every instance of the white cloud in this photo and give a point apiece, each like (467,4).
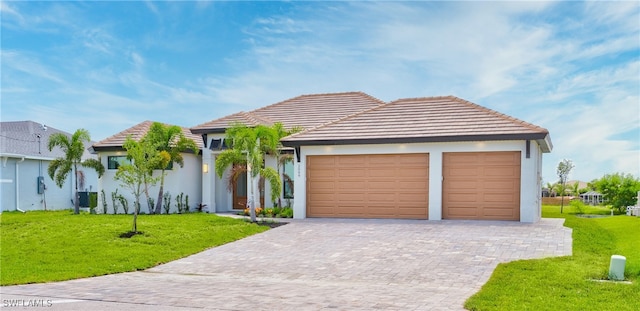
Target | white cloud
(97,39)
(28,64)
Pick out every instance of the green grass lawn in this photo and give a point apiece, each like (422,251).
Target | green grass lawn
(54,246)
(567,283)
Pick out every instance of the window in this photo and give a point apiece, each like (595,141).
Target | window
(113,162)
(288,175)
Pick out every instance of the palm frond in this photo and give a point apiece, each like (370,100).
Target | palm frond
(228,158)
(94,164)
(234,174)
(272,177)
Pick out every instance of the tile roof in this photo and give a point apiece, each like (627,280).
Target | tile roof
(20,138)
(137,131)
(307,111)
(429,119)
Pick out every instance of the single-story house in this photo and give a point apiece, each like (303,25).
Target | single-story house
(592,198)
(25,156)
(178,179)
(420,158)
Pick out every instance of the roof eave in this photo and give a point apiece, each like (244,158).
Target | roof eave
(207,130)
(545,144)
(97,149)
(435,139)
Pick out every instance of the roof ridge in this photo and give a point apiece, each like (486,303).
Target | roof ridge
(423,98)
(384,104)
(499,114)
(318,94)
(221,118)
(258,119)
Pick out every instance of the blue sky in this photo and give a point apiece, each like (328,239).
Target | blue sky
(571,67)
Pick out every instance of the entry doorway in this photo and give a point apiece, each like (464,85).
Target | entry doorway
(240,191)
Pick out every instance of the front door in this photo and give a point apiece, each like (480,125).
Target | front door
(240,193)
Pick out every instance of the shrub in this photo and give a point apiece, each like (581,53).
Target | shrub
(578,206)
(286,213)
(114,199)
(183,206)
(618,189)
(104,201)
(124,203)
(166,202)
(150,204)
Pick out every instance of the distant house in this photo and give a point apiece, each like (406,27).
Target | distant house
(592,198)
(178,180)
(25,157)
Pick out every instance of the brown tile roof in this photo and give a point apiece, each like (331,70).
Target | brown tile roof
(137,131)
(429,119)
(245,118)
(307,111)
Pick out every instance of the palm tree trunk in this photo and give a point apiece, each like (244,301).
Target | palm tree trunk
(160,195)
(251,201)
(76,201)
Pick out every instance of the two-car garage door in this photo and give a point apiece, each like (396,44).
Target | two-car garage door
(368,186)
(476,185)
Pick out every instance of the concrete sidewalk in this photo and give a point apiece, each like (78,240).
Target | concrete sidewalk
(319,264)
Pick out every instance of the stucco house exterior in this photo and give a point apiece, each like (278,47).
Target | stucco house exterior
(419,158)
(25,157)
(178,179)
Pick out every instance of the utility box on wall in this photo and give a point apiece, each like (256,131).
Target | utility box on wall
(40,184)
(88,199)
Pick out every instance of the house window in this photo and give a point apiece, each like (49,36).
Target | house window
(287,178)
(113,162)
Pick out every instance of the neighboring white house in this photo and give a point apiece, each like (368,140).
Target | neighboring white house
(178,179)
(424,158)
(25,157)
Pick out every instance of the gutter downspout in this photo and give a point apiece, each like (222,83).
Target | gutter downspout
(18,185)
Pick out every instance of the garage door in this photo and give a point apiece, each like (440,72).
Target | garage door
(481,185)
(368,186)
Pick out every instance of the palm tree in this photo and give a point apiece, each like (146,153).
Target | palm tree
(247,149)
(574,189)
(73,148)
(171,141)
(273,146)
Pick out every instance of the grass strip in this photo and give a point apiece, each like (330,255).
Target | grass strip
(50,246)
(567,283)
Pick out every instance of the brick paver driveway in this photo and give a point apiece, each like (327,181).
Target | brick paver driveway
(320,264)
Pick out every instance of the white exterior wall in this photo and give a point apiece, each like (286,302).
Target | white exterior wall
(21,191)
(214,189)
(178,180)
(529,180)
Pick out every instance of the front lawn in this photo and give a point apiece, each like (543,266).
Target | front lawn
(570,283)
(54,246)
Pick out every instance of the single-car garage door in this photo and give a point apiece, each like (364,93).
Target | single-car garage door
(481,185)
(368,186)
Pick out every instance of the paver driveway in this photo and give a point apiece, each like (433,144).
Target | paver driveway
(320,264)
